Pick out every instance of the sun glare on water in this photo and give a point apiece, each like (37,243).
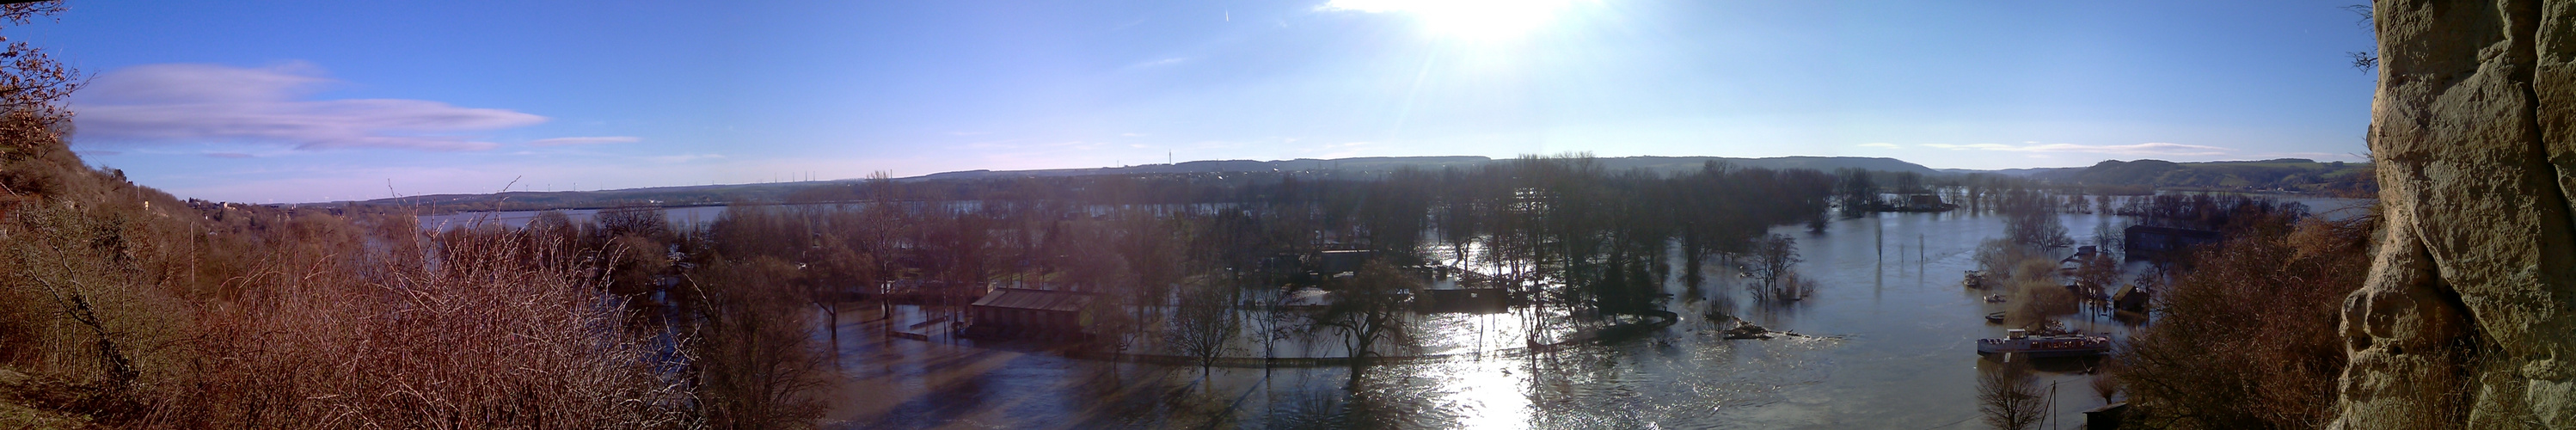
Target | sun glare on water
(1469,19)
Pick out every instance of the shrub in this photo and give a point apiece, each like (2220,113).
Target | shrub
(2268,300)
(489,336)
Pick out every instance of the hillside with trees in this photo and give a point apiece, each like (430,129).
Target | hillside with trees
(2286,174)
(967,184)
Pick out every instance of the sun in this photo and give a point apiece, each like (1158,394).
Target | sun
(1468,19)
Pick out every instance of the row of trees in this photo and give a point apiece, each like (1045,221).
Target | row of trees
(1564,232)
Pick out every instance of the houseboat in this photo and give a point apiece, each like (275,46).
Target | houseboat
(2018,341)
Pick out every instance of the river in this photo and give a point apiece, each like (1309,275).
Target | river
(1890,345)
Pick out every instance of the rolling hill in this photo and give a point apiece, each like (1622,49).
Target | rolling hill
(1363,166)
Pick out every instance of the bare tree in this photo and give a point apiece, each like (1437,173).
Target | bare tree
(2097,275)
(2009,396)
(756,366)
(2363,60)
(2030,219)
(1773,258)
(70,258)
(837,268)
(1204,326)
(2107,386)
(1368,310)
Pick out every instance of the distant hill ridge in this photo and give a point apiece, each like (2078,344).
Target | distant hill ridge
(720,194)
(1657,164)
(2286,174)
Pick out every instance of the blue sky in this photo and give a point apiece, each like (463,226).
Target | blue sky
(293,101)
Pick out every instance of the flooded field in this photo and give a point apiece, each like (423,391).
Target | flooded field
(1889,344)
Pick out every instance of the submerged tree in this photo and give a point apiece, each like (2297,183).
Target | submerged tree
(1858,191)
(2030,219)
(1772,260)
(1204,325)
(1368,311)
(757,365)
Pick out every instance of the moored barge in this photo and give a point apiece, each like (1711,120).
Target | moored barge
(2020,342)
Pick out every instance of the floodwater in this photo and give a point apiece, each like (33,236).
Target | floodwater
(1889,344)
(681,216)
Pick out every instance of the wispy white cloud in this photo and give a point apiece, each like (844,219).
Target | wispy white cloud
(2142,149)
(590,140)
(1158,63)
(195,103)
(2319,156)
(1881,145)
(1128,24)
(683,158)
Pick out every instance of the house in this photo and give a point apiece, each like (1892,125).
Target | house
(1926,203)
(1342,261)
(1026,312)
(2161,243)
(2131,299)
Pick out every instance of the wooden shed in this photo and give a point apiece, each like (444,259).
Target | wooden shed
(2164,243)
(1031,312)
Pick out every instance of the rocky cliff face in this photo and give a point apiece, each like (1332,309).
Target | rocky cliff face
(2469,314)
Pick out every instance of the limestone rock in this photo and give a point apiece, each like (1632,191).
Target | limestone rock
(2469,316)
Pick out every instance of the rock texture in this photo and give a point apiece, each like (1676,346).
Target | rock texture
(2468,318)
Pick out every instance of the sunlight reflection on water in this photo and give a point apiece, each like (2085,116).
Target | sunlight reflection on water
(1888,345)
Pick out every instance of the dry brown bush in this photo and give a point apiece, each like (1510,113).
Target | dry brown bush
(488,335)
(129,308)
(2248,335)
(92,319)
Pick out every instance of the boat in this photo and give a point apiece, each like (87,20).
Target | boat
(2020,342)
(1996,298)
(1995,318)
